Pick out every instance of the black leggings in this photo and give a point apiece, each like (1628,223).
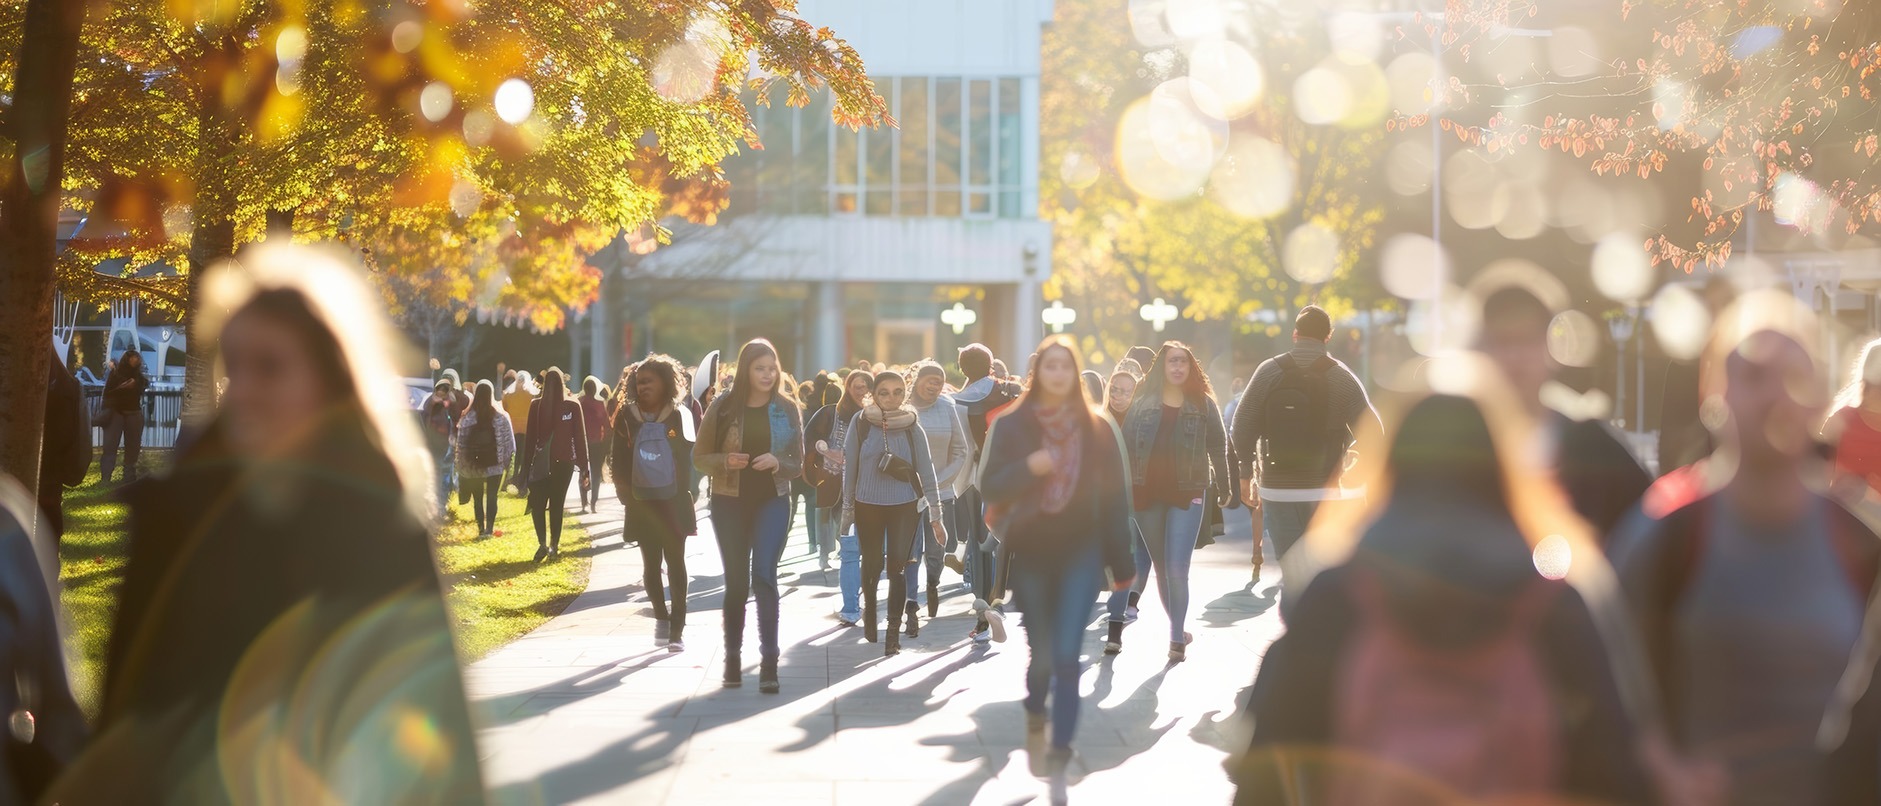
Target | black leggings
(654,524)
(548,502)
(886,537)
(482,491)
(597,460)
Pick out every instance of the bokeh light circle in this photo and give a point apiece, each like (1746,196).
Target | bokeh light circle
(1311,253)
(435,101)
(1680,321)
(1256,179)
(515,101)
(1574,339)
(1233,78)
(1413,266)
(1322,96)
(1621,269)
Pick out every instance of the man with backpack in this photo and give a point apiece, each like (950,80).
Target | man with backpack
(984,397)
(1749,601)
(1300,415)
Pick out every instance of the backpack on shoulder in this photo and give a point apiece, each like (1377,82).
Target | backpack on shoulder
(655,469)
(1296,437)
(1476,722)
(480,447)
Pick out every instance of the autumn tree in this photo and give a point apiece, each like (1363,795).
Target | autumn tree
(1772,105)
(1177,162)
(482,152)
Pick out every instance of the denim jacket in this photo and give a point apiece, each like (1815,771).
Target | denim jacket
(717,439)
(1199,442)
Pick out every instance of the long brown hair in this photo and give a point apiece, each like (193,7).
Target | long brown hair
(1150,386)
(740,390)
(554,390)
(1079,394)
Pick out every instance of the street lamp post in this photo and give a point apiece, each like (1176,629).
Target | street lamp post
(1158,313)
(1058,316)
(1621,327)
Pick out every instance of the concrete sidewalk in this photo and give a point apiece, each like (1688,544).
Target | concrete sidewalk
(592,708)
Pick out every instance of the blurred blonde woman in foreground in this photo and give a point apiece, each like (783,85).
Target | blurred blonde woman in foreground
(282,633)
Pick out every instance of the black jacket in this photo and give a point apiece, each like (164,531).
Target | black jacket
(302,587)
(124,389)
(1099,512)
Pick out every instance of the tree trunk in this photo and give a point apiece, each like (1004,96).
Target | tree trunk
(29,225)
(210,242)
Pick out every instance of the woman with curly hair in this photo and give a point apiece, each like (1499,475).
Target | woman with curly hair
(652,437)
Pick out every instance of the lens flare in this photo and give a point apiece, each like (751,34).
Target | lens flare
(1407,167)
(686,71)
(1680,321)
(1473,190)
(1554,557)
(1621,269)
(1311,253)
(1165,148)
(1232,77)
(1078,169)
(1322,96)
(1255,180)
(1437,328)
(1573,339)
(1413,82)
(1355,38)
(435,101)
(1414,266)
(514,101)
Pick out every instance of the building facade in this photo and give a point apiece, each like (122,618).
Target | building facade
(841,245)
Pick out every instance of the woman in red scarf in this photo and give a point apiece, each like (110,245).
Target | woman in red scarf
(1057,494)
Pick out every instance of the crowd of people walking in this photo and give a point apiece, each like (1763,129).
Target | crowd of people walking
(1485,600)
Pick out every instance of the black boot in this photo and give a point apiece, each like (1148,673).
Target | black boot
(767,677)
(734,672)
(933,599)
(1115,644)
(914,619)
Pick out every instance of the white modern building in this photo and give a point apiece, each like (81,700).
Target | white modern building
(840,244)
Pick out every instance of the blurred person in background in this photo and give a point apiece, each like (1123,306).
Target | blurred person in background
(518,395)
(440,415)
(948,445)
(986,394)
(1589,458)
(281,622)
(1301,415)
(65,454)
(556,451)
(1057,488)
(824,439)
(1454,641)
(651,459)
(594,420)
(122,415)
(1093,385)
(1683,438)
(751,445)
(1855,429)
(803,490)
(485,443)
(1750,600)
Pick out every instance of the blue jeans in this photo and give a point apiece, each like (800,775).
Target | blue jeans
(849,574)
(441,459)
(750,532)
(1056,594)
(1168,534)
(1285,522)
(928,554)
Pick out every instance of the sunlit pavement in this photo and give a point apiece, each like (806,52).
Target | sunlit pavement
(591,707)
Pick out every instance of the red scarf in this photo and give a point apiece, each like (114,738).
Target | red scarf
(1064,440)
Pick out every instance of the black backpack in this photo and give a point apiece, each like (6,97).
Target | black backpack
(480,447)
(1295,437)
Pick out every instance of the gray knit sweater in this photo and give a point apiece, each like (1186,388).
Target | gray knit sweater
(863,480)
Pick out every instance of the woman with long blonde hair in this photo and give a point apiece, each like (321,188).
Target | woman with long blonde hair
(281,626)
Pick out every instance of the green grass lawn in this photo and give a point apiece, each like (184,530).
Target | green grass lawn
(497,593)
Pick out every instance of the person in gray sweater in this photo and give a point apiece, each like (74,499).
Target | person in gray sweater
(886,471)
(947,439)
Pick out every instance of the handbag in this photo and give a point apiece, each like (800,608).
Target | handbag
(541,463)
(894,466)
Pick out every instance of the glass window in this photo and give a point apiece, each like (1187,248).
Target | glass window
(912,165)
(879,196)
(1010,149)
(847,159)
(741,170)
(980,134)
(810,164)
(948,128)
(777,131)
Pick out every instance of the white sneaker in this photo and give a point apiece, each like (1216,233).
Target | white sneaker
(675,647)
(1129,614)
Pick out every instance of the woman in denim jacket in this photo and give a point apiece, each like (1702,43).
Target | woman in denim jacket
(1178,453)
(751,447)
